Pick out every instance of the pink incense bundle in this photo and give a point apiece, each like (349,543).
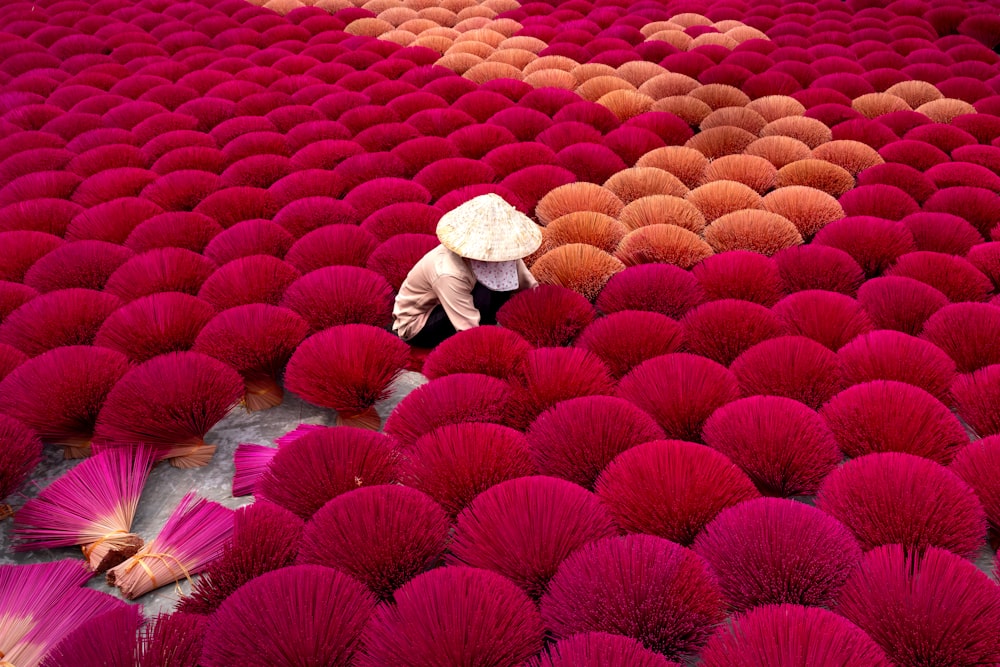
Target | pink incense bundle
(93,505)
(170,402)
(192,538)
(27,592)
(43,603)
(22,450)
(58,621)
(265,538)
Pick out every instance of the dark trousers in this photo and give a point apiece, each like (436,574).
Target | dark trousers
(439,327)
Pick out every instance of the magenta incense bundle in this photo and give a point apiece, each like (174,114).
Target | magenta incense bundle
(192,538)
(92,506)
(28,591)
(172,640)
(250,461)
(107,640)
(22,450)
(265,537)
(41,604)
(70,611)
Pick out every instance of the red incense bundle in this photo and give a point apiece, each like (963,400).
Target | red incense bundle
(192,538)
(22,450)
(107,640)
(173,640)
(170,402)
(93,506)
(265,538)
(257,340)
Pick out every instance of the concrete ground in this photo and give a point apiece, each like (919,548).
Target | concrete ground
(167,485)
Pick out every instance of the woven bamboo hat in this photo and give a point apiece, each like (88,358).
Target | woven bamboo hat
(488,229)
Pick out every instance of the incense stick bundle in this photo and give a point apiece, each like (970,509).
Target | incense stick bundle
(28,591)
(191,539)
(93,506)
(173,640)
(107,640)
(265,537)
(41,604)
(250,461)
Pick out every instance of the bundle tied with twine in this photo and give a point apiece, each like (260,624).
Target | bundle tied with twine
(191,539)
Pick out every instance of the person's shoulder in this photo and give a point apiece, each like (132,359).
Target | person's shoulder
(448,264)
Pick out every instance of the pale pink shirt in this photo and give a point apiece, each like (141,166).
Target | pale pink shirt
(442,277)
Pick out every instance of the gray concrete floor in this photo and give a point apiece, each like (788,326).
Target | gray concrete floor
(167,485)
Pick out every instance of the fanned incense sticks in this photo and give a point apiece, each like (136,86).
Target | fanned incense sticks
(173,640)
(251,461)
(265,538)
(107,640)
(22,450)
(72,609)
(40,604)
(193,537)
(93,506)
(27,592)
(170,402)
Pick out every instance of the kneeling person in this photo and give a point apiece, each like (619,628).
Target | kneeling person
(462,283)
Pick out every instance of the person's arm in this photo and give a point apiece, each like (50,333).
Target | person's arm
(524,277)
(455,297)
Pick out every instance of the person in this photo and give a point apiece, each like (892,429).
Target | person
(463,282)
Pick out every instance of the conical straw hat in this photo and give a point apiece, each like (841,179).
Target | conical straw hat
(488,229)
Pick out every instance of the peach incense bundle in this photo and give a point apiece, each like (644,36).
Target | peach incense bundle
(93,506)
(191,539)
